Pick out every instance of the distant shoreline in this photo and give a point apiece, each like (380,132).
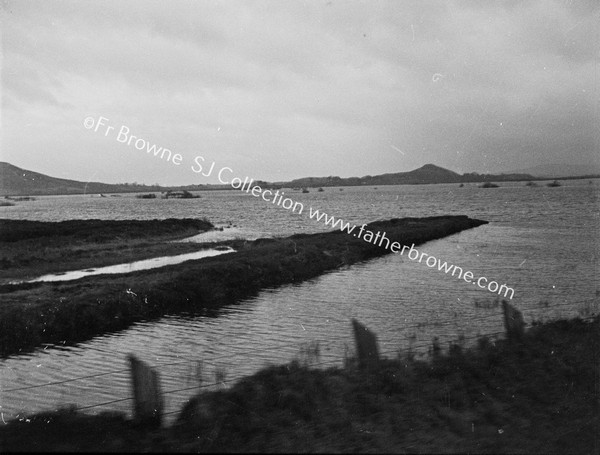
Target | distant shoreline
(15,182)
(211,187)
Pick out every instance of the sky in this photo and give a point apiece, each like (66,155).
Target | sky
(283,89)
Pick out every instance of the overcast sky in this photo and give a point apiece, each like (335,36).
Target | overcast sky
(285,89)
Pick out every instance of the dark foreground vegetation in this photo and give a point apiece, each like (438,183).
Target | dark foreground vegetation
(98,230)
(66,312)
(32,248)
(537,395)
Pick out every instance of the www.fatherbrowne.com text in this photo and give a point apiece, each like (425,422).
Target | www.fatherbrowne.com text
(277,198)
(379,238)
(413,254)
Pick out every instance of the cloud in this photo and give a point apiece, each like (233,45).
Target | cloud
(283,89)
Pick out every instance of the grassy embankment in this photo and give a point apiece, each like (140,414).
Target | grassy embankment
(33,248)
(36,313)
(539,395)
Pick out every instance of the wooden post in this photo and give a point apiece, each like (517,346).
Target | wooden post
(366,345)
(513,322)
(148,402)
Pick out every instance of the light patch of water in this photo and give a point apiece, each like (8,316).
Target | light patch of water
(131,266)
(225,234)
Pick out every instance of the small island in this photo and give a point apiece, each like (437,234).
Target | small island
(488,185)
(20,199)
(184,194)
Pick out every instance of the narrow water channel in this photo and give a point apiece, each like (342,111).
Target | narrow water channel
(131,266)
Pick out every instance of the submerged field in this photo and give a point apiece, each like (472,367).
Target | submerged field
(539,395)
(67,312)
(32,248)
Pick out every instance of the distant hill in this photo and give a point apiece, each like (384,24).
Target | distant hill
(426,174)
(15,181)
(429,173)
(562,170)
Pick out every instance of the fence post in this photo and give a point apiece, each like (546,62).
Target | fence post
(148,403)
(513,321)
(366,345)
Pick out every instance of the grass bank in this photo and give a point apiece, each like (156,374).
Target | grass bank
(67,312)
(539,395)
(32,248)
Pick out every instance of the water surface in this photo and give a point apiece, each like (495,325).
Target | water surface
(541,241)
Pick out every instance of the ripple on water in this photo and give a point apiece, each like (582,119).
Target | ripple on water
(544,246)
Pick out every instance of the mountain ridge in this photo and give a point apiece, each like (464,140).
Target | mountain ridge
(15,181)
(428,173)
